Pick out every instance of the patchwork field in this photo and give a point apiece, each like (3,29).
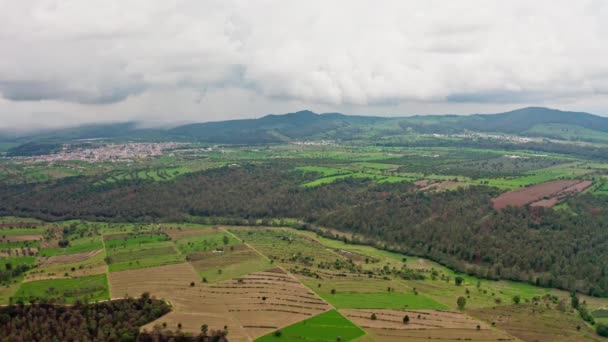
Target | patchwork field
(267,283)
(89,288)
(261,302)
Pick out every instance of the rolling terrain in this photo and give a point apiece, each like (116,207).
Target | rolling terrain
(482,227)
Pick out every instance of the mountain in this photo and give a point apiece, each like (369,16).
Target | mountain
(306,125)
(521,120)
(275,128)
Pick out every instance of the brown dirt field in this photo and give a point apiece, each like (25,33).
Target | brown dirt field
(536,323)
(191,323)
(439,185)
(49,244)
(429,319)
(422,183)
(531,194)
(385,335)
(36,237)
(64,259)
(260,302)
(277,270)
(560,196)
(177,233)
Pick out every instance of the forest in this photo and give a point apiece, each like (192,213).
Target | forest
(117,320)
(457,228)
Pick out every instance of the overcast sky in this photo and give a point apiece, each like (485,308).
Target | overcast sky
(67,62)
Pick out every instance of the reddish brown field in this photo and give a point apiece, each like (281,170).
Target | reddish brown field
(546,203)
(560,196)
(531,194)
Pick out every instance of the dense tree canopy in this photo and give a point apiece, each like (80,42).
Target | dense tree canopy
(558,248)
(117,320)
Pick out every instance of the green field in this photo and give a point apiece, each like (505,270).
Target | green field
(79,245)
(206,242)
(381,301)
(14,261)
(140,251)
(91,288)
(14,231)
(234,270)
(328,326)
(156,174)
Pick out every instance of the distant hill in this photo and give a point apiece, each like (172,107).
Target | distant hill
(306,125)
(521,120)
(276,128)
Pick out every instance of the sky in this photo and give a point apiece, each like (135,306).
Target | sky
(67,62)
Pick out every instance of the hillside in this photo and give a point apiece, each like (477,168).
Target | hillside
(306,125)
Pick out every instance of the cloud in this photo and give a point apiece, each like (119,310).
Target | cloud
(69,60)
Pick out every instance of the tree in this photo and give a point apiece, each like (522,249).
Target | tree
(373,317)
(204,330)
(516,299)
(574,301)
(278,333)
(461,301)
(406,319)
(602,330)
(225,239)
(458,281)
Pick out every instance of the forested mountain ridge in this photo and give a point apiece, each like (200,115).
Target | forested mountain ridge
(306,125)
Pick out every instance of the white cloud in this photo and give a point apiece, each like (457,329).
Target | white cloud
(71,61)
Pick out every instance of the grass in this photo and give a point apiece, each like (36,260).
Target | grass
(14,261)
(150,255)
(328,326)
(19,244)
(153,174)
(139,251)
(134,241)
(80,245)
(71,269)
(324,171)
(571,170)
(244,267)
(21,231)
(91,288)
(206,242)
(386,300)
(375,177)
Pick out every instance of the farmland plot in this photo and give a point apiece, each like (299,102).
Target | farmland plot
(533,193)
(259,302)
(389,325)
